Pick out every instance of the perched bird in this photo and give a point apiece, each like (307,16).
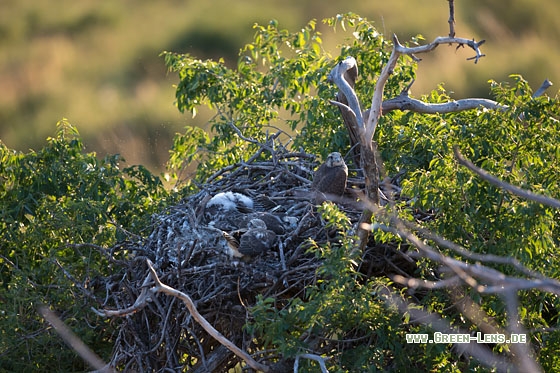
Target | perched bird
(330,178)
(256,240)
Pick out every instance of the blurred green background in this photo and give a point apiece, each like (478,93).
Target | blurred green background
(96,62)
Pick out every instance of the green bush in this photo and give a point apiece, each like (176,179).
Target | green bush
(50,201)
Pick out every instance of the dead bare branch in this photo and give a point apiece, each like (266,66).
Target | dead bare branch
(527,194)
(405,102)
(471,43)
(451,19)
(73,341)
(161,287)
(363,125)
(398,51)
(542,89)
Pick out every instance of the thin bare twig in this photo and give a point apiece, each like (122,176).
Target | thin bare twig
(527,194)
(160,287)
(73,341)
(451,19)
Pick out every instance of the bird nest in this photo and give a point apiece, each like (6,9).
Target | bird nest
(191,254)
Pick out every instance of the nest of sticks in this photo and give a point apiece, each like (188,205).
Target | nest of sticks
(189,253)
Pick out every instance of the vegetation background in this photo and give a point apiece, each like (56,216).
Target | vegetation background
(97,62)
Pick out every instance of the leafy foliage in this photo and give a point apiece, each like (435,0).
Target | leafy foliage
(518,146)
(50,201)
(280,82)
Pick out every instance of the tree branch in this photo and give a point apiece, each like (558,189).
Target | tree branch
(405,102)
(73,341)
(503,185)
(451,19)
(398,50)
(159,287)
(461,42)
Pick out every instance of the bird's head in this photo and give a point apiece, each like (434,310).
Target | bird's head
(256,224)
(335,160)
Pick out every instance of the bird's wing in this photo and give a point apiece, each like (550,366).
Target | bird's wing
(340,176)
(333,182)
(319,175)
(256,241)
(233,244)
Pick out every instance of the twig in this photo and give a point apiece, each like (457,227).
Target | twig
(73,341)
(140,303)
(451,19)
(160,287)
(76,283)
(283,260)
(221,172)
(544,200)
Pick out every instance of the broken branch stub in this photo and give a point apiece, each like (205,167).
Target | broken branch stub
(347,67)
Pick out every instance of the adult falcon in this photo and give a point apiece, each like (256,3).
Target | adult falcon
(330,178)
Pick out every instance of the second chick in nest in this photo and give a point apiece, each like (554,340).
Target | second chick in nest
(256,240)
